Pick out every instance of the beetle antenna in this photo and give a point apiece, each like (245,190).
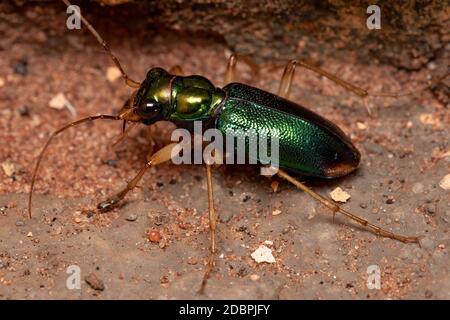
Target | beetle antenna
(55,133)
(131,83)
(412,92)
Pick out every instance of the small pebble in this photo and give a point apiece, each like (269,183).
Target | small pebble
(430,208)
(2,82)
(339,195)
(8,168)
(94,282)
(276,212)
(131,217)
(24,111)
(390,200)
(429,119)
(154,236)
(20,223)
(263,254)
(431,66)
(445,182)
(21,67)
(361,125)
(254,277)
(363,205)
(30,234)
(112,74)
(60,102)
(111,163)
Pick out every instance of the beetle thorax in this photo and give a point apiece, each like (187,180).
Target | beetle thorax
(194,98)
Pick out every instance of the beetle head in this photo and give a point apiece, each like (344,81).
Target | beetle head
(151,102)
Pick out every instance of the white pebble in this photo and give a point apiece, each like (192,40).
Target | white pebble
(112,74)
(445,182)
(254,277)
(263,254)
(339,195)
(276,212)
(8,168)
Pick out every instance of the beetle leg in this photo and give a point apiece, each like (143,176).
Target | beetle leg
(151,145)
(286,80)
(230,73)
(164,154)
(289,72)
(212,229)
(335,208)
(125,132)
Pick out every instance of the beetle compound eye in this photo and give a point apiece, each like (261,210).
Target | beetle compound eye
(149,109)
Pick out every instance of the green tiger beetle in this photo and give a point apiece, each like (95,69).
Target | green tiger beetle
(309,144)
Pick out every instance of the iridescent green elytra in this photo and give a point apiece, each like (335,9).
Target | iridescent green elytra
(308,143)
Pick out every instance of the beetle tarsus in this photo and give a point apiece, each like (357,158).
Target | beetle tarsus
(335,208)
(108,204)
(212,227)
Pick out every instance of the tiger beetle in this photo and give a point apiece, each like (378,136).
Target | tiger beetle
(309,144)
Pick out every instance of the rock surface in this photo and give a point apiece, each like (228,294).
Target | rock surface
(404,148)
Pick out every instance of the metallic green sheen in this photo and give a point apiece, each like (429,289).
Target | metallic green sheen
(308,143)
(193,98)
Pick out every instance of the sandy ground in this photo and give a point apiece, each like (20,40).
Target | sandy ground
(405,154)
